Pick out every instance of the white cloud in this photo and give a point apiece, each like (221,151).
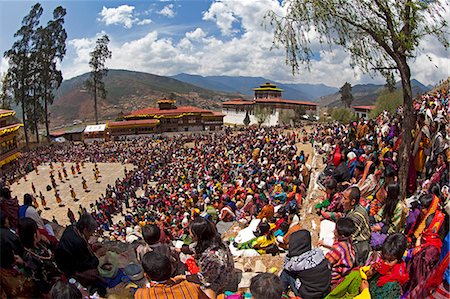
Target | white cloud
(4,65)
(197,34)
(246,54)
(167,11)
(222,16)
(120,15)
(144,22)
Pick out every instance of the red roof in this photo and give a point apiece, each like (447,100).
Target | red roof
(133,122)
(157,111)
(283,101)
(238,102)
(364,107)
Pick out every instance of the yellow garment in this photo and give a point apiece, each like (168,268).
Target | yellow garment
(262,242)
(365,294)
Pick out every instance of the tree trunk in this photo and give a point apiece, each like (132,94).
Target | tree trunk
(95,102)
(47,130)
(25,127)
(407,126)
(35,120)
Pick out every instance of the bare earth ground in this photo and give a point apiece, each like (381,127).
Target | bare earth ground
(109,173)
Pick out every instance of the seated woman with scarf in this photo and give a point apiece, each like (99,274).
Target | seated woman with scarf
(306,271)
(390,219)
(428,234)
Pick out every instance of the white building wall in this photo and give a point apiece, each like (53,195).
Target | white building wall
(237,118)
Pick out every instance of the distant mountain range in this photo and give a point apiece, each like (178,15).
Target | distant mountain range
(128,91)
(245,85)
(366,94)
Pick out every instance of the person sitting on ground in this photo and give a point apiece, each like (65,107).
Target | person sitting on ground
(212,257)
(306,271)
(8,236)
(354,211)
(75,257)
(152,235)
(38,258)
(266,286)
(342,254)
(265,241)
(390,274)
(14,283)
(28,210)
(332,202)
(157,269)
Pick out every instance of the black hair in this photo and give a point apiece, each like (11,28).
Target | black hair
(435,189)
(355,194)
(359,165)
(27,199)
(331,183)
(151,234)
(206,233)
(284,226)
(345,227)
(266,286)
(157,266)
(425,200)
(394,247)
(391,201)
(27,231)
(389,171)
(63,290)
(86,221)
(5,193)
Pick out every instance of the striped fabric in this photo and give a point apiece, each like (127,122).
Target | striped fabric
(180,289)
(342,259)
(361,219)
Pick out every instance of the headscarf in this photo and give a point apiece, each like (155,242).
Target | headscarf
(431,210)
(299,243)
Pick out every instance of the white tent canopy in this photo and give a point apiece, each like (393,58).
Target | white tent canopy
(95,128)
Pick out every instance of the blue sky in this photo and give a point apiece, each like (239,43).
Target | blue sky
(221,37)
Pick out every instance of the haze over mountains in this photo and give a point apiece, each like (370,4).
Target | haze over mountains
(245,85)
(130,90)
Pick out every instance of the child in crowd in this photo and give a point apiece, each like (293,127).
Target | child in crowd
(342,254)
(152,235)
(390,274)
(157,269)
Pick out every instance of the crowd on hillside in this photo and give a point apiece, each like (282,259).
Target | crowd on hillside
(176,202)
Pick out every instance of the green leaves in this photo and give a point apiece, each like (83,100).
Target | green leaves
(95,82)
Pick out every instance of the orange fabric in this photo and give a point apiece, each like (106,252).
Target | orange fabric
(180,289)
(266,212)
(432,209)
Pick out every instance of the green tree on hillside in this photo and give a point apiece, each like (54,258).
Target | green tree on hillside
(50,48)
(95,83)
(19,57)
(346,94)
(380,35)
(343,115)
(388,101)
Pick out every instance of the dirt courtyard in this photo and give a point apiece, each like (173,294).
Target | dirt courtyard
(109,172)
